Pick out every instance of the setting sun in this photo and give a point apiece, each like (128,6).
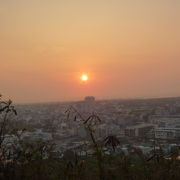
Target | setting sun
(84,77)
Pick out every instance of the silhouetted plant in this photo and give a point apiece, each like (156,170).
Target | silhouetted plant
(6,108)
(112,141)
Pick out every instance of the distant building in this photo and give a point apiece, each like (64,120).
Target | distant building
(37,136)
(89,99)
(81,132)
(87,106)
(167,133)
(166,122)
(140,130)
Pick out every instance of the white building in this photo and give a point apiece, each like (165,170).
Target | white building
(168,122)
(139,130)
(167,133)
(37,136)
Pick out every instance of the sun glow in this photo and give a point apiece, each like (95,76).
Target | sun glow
(84,77)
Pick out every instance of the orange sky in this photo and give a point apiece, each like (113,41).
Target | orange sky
(128,48)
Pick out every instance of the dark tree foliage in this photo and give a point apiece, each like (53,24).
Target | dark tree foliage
(111,141)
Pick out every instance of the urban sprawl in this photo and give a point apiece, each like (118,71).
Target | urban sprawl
(140,125)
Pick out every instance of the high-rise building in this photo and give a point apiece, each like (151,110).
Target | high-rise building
(87,106)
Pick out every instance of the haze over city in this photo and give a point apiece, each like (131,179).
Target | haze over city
(89,89)
(128,49)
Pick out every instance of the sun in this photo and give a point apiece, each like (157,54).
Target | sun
(84,77)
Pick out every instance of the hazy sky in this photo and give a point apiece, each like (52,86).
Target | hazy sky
(129,48)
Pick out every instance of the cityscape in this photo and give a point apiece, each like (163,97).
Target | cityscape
(137,123)
(89,90)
